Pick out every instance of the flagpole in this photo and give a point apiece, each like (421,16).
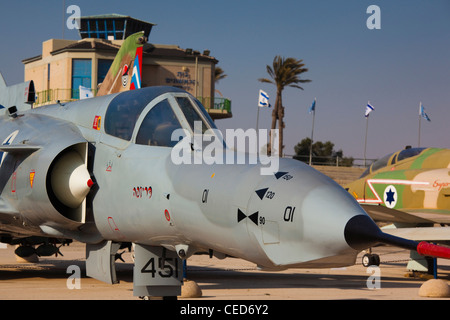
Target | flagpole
(420,122)
(257,119)
(257,135)
(365,140)
(263,100)
(367,126)
(312,133)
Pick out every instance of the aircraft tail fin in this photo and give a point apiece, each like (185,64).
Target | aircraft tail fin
(21,95)
(2,81)
(125,71)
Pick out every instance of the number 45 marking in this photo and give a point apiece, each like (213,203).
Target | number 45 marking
(169,269)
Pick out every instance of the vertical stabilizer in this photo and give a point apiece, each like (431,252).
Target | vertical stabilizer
(2,82)
(119,76)
(21,95)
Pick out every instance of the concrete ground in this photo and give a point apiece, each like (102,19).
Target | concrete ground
(229,279)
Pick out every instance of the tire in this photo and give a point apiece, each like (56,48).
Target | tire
(370,260)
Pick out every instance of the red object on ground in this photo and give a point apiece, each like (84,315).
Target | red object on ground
(432,250)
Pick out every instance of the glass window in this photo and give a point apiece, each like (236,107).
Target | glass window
(158,125)
(394,159)
(408,153)
(381,163)
(365,173)
(102,70)
(205,114)
(190,113)
(81,75)
(124,110)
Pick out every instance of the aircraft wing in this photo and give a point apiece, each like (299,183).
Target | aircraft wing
(381,213)
(19,149)
(433,234)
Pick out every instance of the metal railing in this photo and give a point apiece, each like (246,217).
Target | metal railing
(66,95)
(54,95)
(222,104)
(334,161)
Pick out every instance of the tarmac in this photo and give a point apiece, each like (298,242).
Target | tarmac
(230,279)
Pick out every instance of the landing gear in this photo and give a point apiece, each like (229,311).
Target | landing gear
(370,259)
(157,273)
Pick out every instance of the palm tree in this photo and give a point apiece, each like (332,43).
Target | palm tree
(283,73)
(219,74)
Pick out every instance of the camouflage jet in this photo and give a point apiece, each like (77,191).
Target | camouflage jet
(410,188)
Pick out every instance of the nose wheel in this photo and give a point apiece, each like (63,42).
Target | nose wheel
(370,259)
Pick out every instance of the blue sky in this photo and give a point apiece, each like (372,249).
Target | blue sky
(395,68)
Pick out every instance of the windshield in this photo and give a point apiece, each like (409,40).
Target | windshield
(123,112)
(408,153)
(192,115)
(381,163)
(158,125)
(126,107)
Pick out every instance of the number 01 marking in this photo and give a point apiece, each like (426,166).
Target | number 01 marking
(289,214)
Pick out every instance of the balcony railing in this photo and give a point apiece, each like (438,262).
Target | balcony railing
(66,95)
(222,104)
(54,95)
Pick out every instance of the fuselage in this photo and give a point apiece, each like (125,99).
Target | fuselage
(294,217)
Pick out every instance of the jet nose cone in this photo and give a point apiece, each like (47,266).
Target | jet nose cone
(327,211)
(361,232)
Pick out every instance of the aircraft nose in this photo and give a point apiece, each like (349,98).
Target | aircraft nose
(361,232)
(344,222)
(332,217)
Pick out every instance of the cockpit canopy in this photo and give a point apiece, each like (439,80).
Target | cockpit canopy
(156,112)
(392,159)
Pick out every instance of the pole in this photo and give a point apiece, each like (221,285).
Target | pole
(365,140)
(257,135)
(63,18)
(257,119)
(196,76)
(312,134)
(420,122)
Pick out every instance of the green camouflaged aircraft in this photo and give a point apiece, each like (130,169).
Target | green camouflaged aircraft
(409,188)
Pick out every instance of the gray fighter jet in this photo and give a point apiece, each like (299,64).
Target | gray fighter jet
(105,171)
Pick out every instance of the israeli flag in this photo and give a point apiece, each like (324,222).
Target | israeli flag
(369,109)
(313,107)
(263,100)
(85,93)
(423,113)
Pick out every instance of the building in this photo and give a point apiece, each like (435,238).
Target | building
(112,27)
(64,65)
